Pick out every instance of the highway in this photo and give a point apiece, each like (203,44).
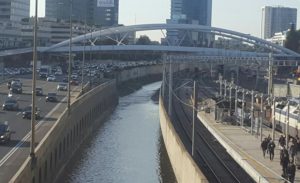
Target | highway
(13,154)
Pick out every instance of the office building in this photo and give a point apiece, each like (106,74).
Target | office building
(14,10)
(277,19)
(11,14)
(99,13)
(190,12)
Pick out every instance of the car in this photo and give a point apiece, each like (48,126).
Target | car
(58,73)
(5,132)
(65,79)
(26,114)
(10,104)
(74,82)
(51,97)
(16,81)
(62,87)
(39,91)
(51,78)
(16,88)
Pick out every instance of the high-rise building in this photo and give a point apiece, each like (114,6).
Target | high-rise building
(11,14)
(190,12)
(101,13)
(14,10)
(277,19)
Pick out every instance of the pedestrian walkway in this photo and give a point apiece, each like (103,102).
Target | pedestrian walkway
(246,150)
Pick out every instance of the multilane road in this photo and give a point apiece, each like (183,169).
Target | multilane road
(13,154)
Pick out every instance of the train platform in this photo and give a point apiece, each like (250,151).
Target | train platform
(245,149)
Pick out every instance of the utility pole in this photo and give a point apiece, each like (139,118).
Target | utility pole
(252,111)
(70,57)
(164,76)
(236,100)
(273,119)
(225,88)
(221,82)
(170,89)
(230,92)
(83,56)
(195,107)
(270,81)
(287,125)
(243,108)
(33,110)
(261,116)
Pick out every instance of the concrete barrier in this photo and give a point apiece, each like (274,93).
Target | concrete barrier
(67,134)
(185,169)
(70,130)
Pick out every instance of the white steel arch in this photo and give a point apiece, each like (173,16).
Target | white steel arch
(191,27)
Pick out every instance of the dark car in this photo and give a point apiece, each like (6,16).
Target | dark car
(8,84)
(10,104)
(4,133)
(51,97)
(39,91)
(16,88)
(26,114)
(74,82)
(65,79)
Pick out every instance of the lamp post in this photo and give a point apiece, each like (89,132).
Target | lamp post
(33,110)
(243,103)
(261,116)
(252,111)
(70,56)
(287,125)
(83,57)
(195,109)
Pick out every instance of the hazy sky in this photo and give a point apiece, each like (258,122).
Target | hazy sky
(239,15)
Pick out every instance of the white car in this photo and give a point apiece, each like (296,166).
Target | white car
(51,78)
(62,87)
(58,73)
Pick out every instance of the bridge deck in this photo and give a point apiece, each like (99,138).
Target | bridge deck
(246,148)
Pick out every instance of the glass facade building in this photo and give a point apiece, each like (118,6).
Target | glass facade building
(101,13)
(14,10)
(189,12)
(277,19)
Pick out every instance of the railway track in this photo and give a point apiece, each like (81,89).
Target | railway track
(213,160)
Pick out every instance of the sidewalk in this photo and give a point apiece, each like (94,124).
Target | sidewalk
(245,148)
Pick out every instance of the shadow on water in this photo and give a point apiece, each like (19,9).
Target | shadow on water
(127,148)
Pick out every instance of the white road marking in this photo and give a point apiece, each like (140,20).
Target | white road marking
(18,113)
(26,137)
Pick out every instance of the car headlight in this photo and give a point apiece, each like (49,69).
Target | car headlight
(2,136)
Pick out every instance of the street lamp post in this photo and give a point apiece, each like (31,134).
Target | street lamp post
(273,119)
(33,110)
(236,100)
(70,56)
(83,57)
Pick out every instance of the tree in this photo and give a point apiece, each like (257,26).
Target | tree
(143,40)
(293,40)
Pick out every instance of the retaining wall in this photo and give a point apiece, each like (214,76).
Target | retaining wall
(185,169)
(70,130)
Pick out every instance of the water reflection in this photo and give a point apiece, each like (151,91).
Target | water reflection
(128,148)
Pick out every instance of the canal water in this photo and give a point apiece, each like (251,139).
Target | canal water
(127,148)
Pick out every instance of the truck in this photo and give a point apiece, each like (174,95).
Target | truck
(44,71)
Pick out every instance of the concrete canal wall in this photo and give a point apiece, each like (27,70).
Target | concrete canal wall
(70,130)
(185,169)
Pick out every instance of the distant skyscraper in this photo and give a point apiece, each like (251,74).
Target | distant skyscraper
(277,19)
(14,10)
(190,12)
(95,12)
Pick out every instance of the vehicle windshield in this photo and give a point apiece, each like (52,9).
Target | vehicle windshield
(28,108)
(62,84)
(51,94)
(39,89)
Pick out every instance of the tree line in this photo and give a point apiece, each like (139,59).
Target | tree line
(293,40)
